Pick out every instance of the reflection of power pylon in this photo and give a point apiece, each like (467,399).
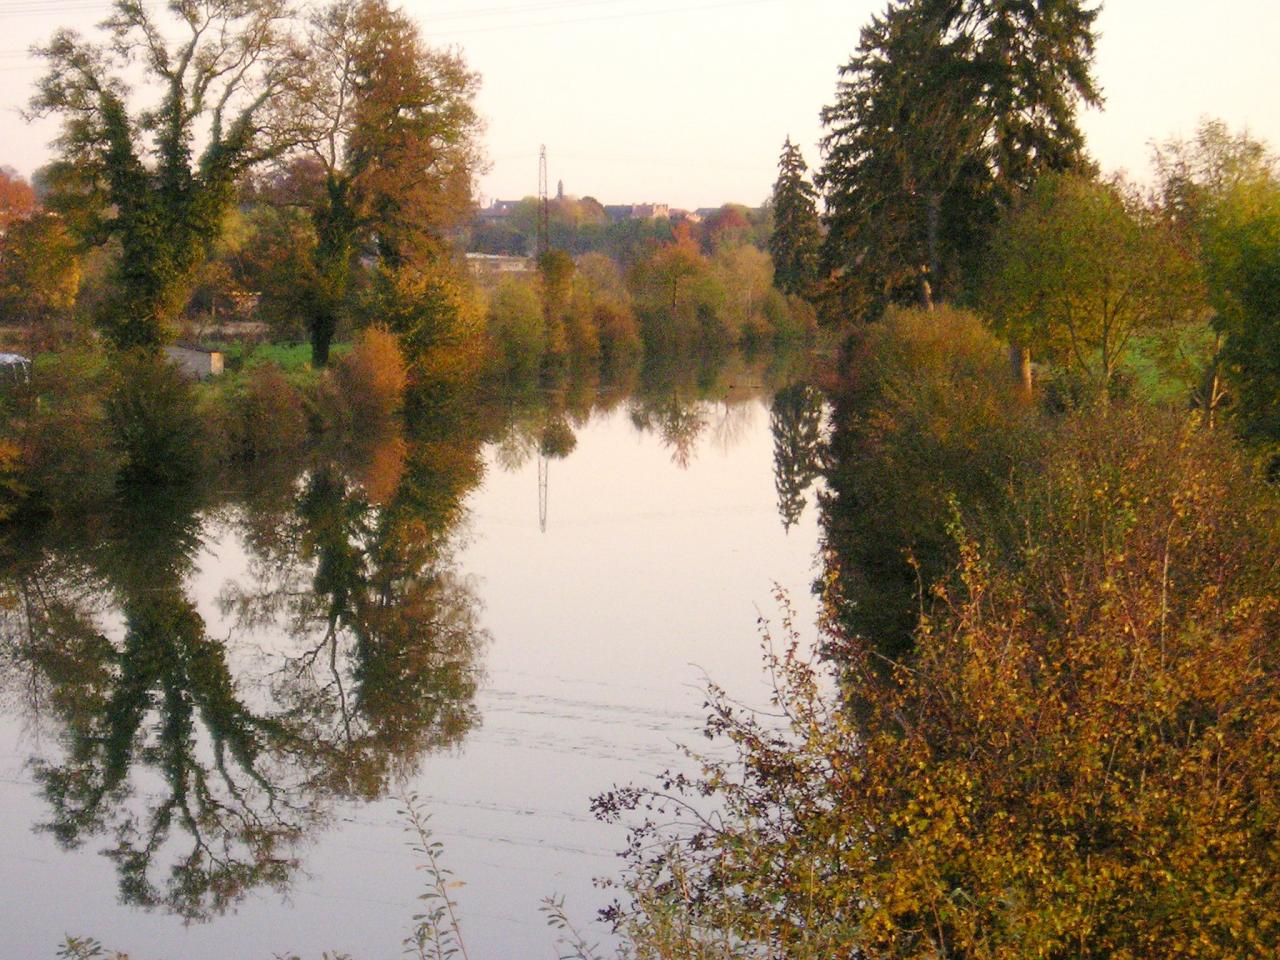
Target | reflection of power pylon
(544,468)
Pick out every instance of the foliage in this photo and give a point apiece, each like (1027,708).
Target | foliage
(154,421)
(437,934)
(265,417)
(1223,191)
(947,109)
(391,149)
(517,327)
(1078,269)
(927,424)
(57,423)
(439,325)
(372,378)
(797,234)
(1078,759)
(17,199)
(137,180)
(39,271)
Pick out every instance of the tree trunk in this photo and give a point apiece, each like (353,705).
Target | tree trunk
(323,324)
(932,229)
(1020,367)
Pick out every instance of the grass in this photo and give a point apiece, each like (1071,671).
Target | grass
(292,358)
(1151,357)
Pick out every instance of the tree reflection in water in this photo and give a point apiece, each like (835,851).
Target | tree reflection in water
(205,769)
(344,648)
(795,420)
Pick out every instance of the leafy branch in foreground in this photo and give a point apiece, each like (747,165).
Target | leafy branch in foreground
(437,934)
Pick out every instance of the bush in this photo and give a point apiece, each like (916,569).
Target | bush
(265,416)
(155,425)
(372,378)
(1080,758)
(57,423)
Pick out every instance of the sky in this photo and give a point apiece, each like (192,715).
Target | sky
(688,103)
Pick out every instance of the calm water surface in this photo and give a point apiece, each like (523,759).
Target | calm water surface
(210,705)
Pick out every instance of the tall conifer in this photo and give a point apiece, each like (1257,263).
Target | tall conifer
(948,109)
(797,234)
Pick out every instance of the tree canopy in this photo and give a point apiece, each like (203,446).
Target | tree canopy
(947,109)
(390,140)
(158,179)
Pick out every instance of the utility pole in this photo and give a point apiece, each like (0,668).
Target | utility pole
(544,216)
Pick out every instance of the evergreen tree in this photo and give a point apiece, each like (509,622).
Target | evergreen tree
(948,109)
(797,233)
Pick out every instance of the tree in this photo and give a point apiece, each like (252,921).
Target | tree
(17,199)
(1219,189)
(946,111)
(392,126)
(39,270)
(1249,281)
(1079,269)
(797,234)
(159,181)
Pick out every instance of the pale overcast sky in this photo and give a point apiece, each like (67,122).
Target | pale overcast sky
(688,102)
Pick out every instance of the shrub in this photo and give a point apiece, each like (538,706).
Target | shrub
(265,416)
(1079,759)
(372,378)
(155,425)
(57,423)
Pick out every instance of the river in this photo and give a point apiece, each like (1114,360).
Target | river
(213,704)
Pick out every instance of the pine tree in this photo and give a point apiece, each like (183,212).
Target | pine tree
(797,234)
(948,109)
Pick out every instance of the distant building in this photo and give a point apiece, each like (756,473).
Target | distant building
(491,263)
(499,210)
(196,362)
(637,211)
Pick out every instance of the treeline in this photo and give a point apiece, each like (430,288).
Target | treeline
(954,171)
(674,299)
(580,225)
(302,175)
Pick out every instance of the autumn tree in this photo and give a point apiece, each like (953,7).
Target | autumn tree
(946,111)
(158,181)
(392,131)
(39,270)
(17,199)
(796,234)
(1079,269)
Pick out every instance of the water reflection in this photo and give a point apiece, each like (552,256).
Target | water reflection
(795,420)
(213,670)
(204,768)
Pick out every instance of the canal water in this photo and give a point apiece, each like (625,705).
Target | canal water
(214,708)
